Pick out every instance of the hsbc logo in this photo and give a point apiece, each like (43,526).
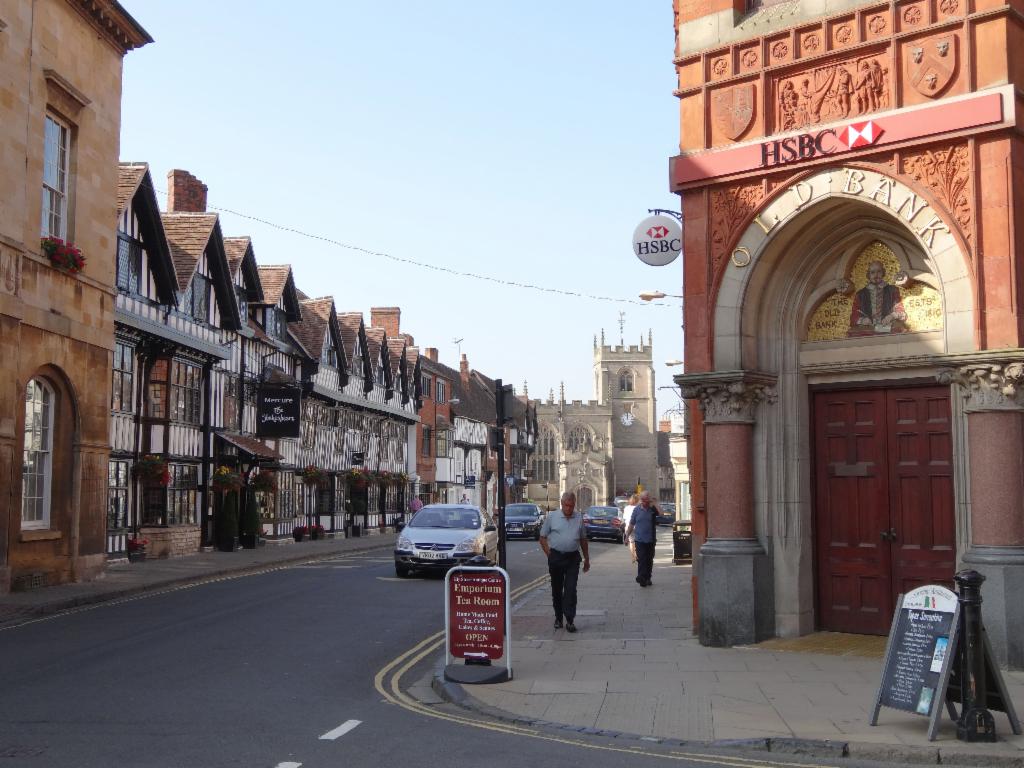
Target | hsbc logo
(807,146)
(657,233)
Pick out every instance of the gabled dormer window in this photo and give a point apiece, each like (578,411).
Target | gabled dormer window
(381,379)
(129,263)
(329,354)
(243,303)
(274,323)
(196,301)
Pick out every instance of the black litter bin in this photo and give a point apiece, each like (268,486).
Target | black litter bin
(682,543)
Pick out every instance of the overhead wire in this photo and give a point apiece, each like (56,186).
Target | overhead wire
(425,265)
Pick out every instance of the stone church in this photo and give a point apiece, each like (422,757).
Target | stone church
(603,447)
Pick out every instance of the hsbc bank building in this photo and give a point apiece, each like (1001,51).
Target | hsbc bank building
(853,322)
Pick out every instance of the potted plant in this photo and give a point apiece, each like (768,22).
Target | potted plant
(316,531)
(136,547)
(313,475)
(250,523)
(63,256)
(225,479)
(264,482)
(228,534)
(152,470)
(299,532)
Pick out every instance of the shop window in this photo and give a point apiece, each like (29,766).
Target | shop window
(37,470)
(182,493)
(117,493)
(56,174)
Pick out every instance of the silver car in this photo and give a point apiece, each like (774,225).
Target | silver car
(440,536)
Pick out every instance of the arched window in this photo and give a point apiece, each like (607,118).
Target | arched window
(577,438)
(38,455)
(625,380)
(584,497)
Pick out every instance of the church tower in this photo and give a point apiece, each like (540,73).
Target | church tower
(624,379)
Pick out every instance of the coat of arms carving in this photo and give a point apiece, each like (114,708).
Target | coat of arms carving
(931,64)
(733,109)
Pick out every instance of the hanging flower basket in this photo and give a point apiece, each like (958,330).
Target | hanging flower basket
(316,531)
(384,478)
(358,478)
(63,256)
(313,475)
(265,482)
(152,470)
(225,479)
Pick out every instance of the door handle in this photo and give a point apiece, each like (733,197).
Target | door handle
(884,535)
(889,535)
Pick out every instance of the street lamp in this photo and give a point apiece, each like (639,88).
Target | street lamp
(652,295)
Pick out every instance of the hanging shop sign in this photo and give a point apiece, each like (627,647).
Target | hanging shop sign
(278,411)
(657,240)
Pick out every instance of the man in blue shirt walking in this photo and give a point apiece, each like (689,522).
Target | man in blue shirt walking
(562,536)
(642,527)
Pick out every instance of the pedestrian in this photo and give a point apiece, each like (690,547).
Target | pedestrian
(562,536)
(627,517)
(415,505)
(643,532)
(464,499)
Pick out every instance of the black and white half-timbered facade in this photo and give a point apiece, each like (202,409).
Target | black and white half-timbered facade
(173,310)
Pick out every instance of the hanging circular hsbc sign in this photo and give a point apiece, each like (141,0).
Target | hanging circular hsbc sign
(658,240)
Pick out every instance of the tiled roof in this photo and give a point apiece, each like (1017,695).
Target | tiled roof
(350,322)
(397,349)
(129,176)
(309,332)
(235,248)
(475,400)
(187,235)
(375,337)
(274,279)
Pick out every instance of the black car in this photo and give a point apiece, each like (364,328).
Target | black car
(523,521)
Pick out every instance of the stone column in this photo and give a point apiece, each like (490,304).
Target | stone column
(994,405)
(733,570)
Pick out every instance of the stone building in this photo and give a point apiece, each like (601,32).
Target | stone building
(849,174)
(60,107)
(606,446)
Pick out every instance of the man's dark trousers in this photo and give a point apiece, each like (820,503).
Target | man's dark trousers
(644,561)
(564,568)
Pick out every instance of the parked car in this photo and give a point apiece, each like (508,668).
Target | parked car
(666,513)
(523,521)
(440,536)
(604,523)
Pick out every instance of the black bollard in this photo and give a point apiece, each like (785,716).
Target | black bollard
(975,723)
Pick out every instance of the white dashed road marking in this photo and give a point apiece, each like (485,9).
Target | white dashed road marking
(341,730)
(289,765)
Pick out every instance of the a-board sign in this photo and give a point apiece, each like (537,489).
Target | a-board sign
(919,652)
(921,673)
(476,617)
(477,622)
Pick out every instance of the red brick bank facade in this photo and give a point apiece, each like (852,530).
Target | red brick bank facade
(849,176)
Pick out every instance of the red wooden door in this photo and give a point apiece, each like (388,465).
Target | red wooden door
(883,501)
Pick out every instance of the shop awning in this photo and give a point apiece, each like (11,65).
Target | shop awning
(251,446)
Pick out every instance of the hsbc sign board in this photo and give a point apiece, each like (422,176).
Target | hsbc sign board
(827,142)
(657,240)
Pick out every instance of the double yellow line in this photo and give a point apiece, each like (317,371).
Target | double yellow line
(388,683)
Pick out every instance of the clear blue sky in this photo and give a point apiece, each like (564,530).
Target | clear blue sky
(518,141)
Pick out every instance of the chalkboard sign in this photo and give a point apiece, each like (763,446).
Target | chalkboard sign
(919,654)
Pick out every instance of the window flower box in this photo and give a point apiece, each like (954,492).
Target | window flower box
(63,256)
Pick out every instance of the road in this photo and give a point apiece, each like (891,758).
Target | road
(303,666)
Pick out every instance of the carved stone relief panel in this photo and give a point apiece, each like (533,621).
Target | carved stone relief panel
(730,209)
(10,270)
(833,91)
(732,110)
(843,31)
(947,173)
(931,65)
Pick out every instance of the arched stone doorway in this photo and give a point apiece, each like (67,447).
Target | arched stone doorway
(772,468)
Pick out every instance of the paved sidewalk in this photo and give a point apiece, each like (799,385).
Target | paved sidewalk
(126,579)
(635,667)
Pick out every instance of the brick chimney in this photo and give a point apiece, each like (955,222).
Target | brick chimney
(464,370)
(409,339)
(431,353)
(665,425)
(388,318)
(185,193)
